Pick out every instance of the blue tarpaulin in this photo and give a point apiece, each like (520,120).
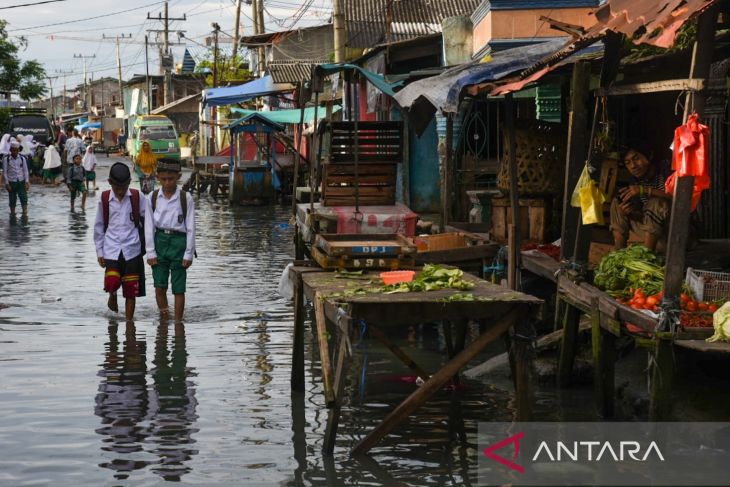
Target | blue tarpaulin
(88,126)
(235,94)
(443,92)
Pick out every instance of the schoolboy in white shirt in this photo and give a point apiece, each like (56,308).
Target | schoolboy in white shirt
(173,215)
(118,235)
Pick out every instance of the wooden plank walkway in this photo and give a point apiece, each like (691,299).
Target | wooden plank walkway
(504,310)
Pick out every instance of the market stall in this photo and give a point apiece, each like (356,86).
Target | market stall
(358,301)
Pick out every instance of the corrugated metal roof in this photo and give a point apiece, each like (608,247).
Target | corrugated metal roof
(367,19)
(292,71)
(654,22)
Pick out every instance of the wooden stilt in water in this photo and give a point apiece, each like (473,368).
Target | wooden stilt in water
(604,364)
(297,361)
(333,418)
(571,321)
(382,338)
(421,395)
(662,377)
(324,354)
(523,352)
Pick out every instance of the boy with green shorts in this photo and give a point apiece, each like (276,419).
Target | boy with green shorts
(173,217)
(76,179)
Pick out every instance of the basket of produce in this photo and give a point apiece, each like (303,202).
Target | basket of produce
(708,285)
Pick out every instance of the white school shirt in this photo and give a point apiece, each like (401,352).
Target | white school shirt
(168,216)
(15,169)
(121,235)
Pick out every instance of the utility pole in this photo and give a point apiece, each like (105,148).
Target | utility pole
(257,15)
(236,26)
(53,104)
(213,111)
(339,26)
(63,96)
(166,55)
(81,56)
(119,64)
(147,74)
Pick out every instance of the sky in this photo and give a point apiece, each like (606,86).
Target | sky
(55,46)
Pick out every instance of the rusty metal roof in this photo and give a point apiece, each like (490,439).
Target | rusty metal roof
(292,71)
(654,22)
(367,19)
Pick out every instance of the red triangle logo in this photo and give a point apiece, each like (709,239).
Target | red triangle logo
(489,452)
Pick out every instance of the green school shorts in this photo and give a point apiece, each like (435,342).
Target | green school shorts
(77,187)
(91,175)
(170,250)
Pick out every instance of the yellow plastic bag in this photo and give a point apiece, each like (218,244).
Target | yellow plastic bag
(583,181)
(591,203)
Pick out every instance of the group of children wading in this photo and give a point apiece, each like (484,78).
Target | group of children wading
(162,225)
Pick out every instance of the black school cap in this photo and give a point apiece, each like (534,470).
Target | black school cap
(168,165)
(119,174)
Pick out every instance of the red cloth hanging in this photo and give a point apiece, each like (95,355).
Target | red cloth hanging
(691,157)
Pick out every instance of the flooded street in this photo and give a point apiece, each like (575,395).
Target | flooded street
(87,400)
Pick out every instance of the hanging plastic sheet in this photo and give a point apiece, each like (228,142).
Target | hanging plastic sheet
(691,157)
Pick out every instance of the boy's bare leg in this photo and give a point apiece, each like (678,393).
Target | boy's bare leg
(129,309)
(179,307)
(83,201)
(161,297)
(112,302)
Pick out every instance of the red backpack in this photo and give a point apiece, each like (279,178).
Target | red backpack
(136,214)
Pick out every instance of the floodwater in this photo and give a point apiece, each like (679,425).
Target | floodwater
(87,400)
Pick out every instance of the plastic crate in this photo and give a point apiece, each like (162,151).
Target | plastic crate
(708,285)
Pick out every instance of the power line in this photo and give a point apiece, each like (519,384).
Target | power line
(85,19)
(31,4)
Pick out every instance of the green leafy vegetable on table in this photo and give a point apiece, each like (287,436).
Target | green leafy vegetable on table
(634,267)
(432,278)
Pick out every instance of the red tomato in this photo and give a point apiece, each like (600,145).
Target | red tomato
(691,306)
(652,301)
(683,298)
(712,308)
(639,293)
(702,306)
(639,301)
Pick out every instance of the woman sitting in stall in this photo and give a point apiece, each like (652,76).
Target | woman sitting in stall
(145,165)
(642,207)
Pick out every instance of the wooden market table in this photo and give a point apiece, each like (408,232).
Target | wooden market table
(608,322)
(503,309)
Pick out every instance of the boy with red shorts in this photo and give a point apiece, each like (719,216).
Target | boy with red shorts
(118,235)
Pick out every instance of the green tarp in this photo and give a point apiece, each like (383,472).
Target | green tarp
(287,116)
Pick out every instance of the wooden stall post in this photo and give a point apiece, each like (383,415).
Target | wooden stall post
(297,362)
(663,370)
(445,179)
(577,147)
(298,251)
(569,345)
(333,416)
(604,361)
(324,351)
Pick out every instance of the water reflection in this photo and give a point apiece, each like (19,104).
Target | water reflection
(122,402)
(147,424)
(173,405)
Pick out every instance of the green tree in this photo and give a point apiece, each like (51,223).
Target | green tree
(231,70)
(25,78)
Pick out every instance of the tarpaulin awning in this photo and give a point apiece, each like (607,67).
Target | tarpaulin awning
(253,123)
(443,92)
(654,22)
(88,126)
(287,116)
(253,89)
(376,79)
